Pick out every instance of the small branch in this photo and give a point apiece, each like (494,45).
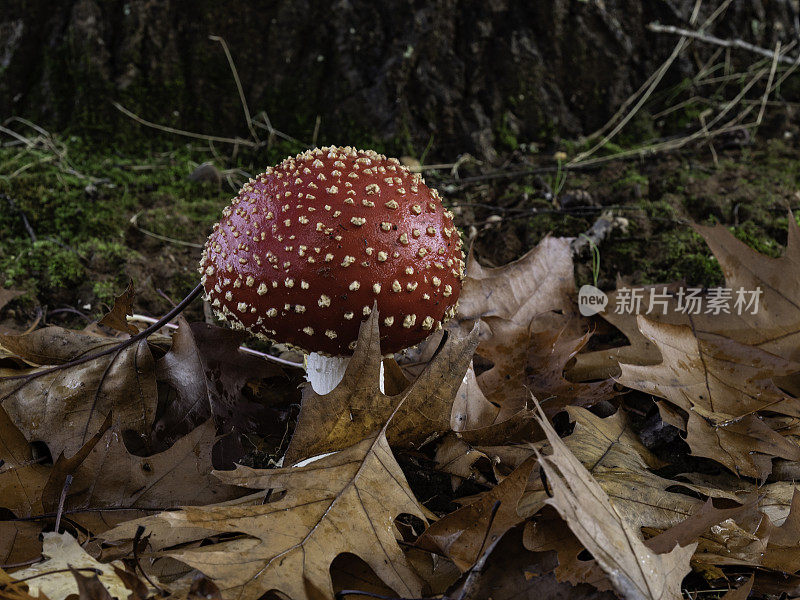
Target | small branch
(136,539)
(134,221)
(232,65)
(711,39)
(116,348)
(245,349)
(197,136)
(27,224)
(61,500)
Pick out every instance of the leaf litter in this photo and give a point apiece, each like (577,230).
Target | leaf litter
(506,457)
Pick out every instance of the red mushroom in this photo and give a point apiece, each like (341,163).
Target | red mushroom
(308,247)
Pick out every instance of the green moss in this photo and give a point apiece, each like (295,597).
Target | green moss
(505,134)
(753,235)
(632,177)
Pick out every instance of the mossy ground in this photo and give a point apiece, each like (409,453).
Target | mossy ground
(67,238)
(81,248)
(749,190)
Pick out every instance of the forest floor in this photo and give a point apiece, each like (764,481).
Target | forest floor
(78,222)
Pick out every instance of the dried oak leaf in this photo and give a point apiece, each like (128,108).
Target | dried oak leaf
(774,327)
(117,317)
(479,421)
(53,578)
(471,409)
(600,364)
(465,534)
(740,593)
(65,408)
(693,528)
(356,407)
(539,282)
(208,371)
(621,465)
(547,531)
(22,481)
(22,478)
(456,457)
(530,294)
(722,385)
(111,477)
(549,353)
(514,573)
(90,588)
(634,570)
(13,589)
(343,502)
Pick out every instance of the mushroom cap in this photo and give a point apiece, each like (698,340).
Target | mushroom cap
(306,249)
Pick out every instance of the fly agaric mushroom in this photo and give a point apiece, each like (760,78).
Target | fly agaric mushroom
(307,249)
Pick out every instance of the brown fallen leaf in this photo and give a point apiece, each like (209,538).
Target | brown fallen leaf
(13,589)
(519,427)
(774,327)
(90,588)
(504,384)
(132,581)
(112,477)
(471,409)
(65,408)
(546,532)
(634,570)
(19,542)
(117,317)
(22,478)
(514,573)
(622,466)
(208,371)
(537,283)
(741,593)
(548,354)
(465,534)
(53,578)
(456,457)
(721,385)
(344,502)
(694,527)
(601,364)
(533,293)
(357,408)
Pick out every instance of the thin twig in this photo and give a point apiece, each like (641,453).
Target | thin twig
(644,92)
(476,570)
(769,84)
(26,379)
(133,221)
(136,539)
(61,500)
(244,349)
(232,65)
(197,136)
(711,39)
(46,573)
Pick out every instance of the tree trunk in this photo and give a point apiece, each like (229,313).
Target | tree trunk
(475,76)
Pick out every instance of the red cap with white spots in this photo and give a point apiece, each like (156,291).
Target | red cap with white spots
(307,248)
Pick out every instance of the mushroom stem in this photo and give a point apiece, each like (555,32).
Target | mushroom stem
(326,372)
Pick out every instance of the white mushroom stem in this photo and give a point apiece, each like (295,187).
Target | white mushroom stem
(326,372)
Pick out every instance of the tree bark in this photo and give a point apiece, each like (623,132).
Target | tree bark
(475,76)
